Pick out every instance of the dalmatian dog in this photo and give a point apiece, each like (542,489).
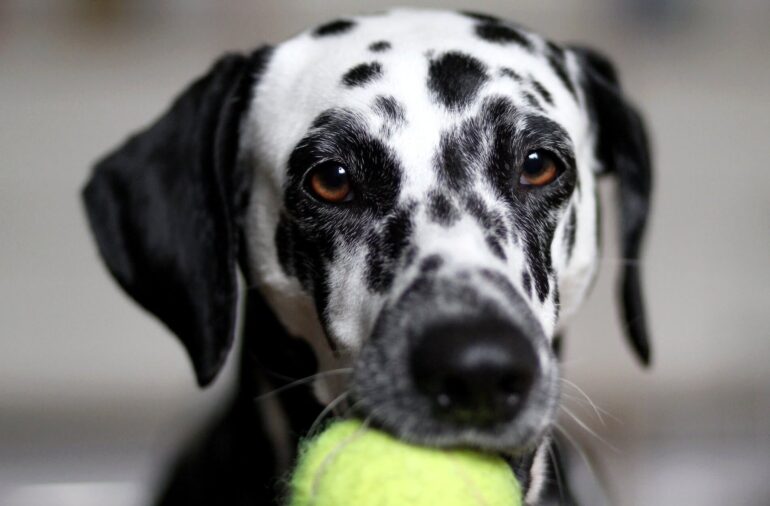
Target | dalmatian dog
(411,200)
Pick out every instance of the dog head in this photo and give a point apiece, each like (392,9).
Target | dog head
(413,193)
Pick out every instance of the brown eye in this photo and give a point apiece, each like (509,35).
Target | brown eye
(539,169)
(329,181)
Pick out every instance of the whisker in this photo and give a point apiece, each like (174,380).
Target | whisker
(588,429)
(328,409)
(578,448)
(556,470)
(590,401)
(303,381)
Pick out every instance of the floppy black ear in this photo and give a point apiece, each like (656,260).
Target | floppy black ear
(623,150)
(164,208)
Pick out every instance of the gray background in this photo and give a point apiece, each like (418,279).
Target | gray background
(95,395)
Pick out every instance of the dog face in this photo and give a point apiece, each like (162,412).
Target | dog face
(429,179)
(413,193)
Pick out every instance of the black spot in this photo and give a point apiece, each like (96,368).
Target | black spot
(571,232)
(556,300)
(532,101)
(500,34)
(555,49)
(509,72)
(558,64)
(526,283)
(390,110)
(441,210)
(379,46)
(362,74)
(497,249)
(539,262)
(336,27)
(386,248)
(431,264)
(540,89)
(486,18)
(491,222)
(455,79)
(459,150)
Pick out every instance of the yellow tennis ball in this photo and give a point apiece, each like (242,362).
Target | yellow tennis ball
(352,465)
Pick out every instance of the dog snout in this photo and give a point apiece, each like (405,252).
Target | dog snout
(474,372)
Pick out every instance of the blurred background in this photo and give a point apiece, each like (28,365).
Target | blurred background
(95,395)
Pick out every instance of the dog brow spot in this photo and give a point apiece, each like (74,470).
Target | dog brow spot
(540,89)
(532,100)
(509,72)
(379,46)
(455,79)
(442,211)
(389,109)
(500,34)
(362,74)
(335,27)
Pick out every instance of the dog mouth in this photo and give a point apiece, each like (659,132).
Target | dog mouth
(448,367)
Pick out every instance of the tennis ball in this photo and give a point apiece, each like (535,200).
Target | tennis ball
(351,465)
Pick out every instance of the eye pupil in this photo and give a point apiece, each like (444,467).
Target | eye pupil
(330,182)
(533,165)
(538,169)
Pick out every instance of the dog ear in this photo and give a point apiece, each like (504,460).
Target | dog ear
(165,206)
(623,150)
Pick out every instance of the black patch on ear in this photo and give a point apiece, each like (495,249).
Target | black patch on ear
(544,93)
(500,34)
(623,149)
(441,210)
(390,110)
(455,78)
(380,46)
(362,74)
(509,72)
(486,18)
(336,27)
(386,248)
(166,207)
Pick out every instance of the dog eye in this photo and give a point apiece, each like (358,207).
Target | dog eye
(329,182)
(539,168)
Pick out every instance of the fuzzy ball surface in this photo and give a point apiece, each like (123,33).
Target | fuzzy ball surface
(350,464)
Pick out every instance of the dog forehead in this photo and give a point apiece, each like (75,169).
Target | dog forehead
(425,64)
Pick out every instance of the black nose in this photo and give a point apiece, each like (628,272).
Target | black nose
(474,373)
